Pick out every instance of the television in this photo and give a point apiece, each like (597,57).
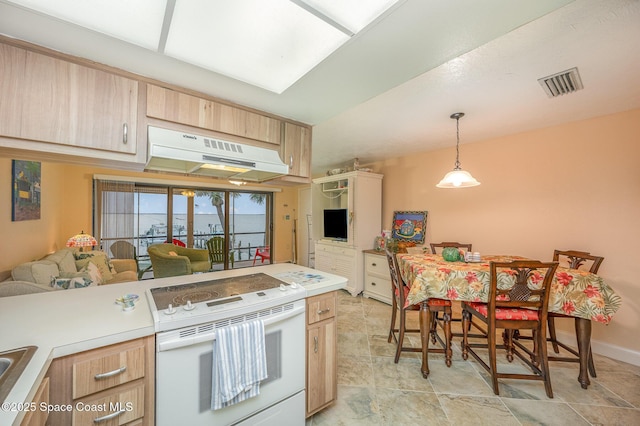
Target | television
(335,224)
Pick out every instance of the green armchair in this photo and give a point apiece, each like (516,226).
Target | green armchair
(169,260)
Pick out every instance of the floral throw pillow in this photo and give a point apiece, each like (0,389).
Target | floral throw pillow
(72,280)
(93,272)
(99,259)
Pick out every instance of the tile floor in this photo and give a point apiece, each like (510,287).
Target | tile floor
(373,390)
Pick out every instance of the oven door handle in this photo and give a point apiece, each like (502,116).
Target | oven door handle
(169,340)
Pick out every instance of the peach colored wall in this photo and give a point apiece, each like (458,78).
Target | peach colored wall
(575,186)
(29,240)
(67,197)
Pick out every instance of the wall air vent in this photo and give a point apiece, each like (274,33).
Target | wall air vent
(561,83)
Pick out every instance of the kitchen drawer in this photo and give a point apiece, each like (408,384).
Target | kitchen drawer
(377,288)
(321,307)
(104,368)
(376,264)
(344,251)
(118,407)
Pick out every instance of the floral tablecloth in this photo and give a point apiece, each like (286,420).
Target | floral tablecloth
(573,292)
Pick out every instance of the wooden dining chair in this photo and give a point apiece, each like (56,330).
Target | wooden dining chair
(435,249)
(399,295)
(444,244)
(575,260)
(519,303)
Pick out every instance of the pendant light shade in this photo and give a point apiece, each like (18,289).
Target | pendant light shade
(457,178)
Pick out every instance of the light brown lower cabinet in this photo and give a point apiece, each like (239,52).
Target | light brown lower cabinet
(322,339)
(111,385)
(37,416)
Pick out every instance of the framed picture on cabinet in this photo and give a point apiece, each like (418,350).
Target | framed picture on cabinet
(409,226)
(25,190)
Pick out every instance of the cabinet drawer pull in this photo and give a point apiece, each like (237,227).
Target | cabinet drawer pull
(125,133)
(110,373)
(324,311)
(109,416)
(291,161)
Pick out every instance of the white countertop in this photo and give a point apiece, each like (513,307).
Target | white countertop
(65,322)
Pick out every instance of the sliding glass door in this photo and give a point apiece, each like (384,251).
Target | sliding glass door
(239,221)
(249,226)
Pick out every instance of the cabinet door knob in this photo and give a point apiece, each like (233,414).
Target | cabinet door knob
(374,264)
(125,133)
(372,283)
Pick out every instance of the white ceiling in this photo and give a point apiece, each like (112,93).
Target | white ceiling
(396,83)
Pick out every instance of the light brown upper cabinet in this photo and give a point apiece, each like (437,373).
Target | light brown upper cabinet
(296,150)
(170,105)
(46,99)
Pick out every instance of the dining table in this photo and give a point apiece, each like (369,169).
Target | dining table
(576,293)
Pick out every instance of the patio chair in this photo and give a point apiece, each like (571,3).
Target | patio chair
(216,248)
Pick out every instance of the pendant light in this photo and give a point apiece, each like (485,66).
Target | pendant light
(457,178)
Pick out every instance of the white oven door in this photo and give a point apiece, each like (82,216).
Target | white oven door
(184,369)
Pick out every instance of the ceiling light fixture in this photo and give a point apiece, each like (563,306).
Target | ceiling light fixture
(237,182)
(457,178)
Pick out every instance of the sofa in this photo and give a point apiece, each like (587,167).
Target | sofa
(68,269)
(169,260)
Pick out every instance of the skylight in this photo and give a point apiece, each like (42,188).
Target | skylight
(266,43)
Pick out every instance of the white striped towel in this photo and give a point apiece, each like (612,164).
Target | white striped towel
(239,363)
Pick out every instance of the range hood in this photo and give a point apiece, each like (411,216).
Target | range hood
(179,152)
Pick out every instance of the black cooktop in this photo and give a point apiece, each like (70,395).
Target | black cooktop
(178,295)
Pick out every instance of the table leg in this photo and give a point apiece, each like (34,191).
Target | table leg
(425,326)
(583,334)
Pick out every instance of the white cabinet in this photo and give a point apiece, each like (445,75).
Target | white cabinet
(360,195)
(377,281)
(339,260)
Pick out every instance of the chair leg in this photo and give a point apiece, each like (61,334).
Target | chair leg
(400,336)
(465,333)
(491,341)
(537,348)
(394,310)
(543,361)
(507,337)
(592,367)
(434,326)
(552,334)
(447,337)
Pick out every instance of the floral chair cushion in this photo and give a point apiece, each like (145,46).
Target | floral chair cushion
(506,313)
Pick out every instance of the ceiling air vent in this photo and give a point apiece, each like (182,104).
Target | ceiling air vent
(561,83)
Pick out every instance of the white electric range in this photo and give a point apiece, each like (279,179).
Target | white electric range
(186,318)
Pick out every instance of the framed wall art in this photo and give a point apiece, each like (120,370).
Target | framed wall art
(25,190)
(409,226)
